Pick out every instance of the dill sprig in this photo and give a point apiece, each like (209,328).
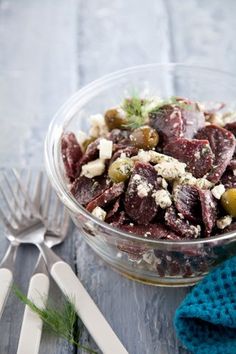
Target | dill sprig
(60,321)
(133,108)
(137,109)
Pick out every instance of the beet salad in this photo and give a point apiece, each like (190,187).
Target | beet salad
(161,169)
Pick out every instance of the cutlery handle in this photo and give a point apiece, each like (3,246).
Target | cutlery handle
(6,279)
(87,310)
(31,328)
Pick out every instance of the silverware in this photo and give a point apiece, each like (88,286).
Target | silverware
(47,203)
(8,261)
(32,231)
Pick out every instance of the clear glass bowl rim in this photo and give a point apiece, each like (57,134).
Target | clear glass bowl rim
(52,144)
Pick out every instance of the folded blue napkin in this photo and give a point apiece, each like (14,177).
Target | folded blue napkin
(205,322)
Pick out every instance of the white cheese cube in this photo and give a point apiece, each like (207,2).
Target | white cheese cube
(105,149)
(170,170)
(223,222)
(97,126)
(99,213)
(217,191)
(93,168)
(162,198)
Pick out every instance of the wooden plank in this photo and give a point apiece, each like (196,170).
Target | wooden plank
(203,32)
(38,72)
(126,33)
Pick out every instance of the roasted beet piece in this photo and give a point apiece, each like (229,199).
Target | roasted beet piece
(187,202)
(107,196)
(86,189)
(222,143)
(71,155)
(113,209)
(193,120)
(229,177)
(118,136)
(91,152)
(231,127)
(168,122)
(231,227)
(180,226)
(209,210)
(151,231)
(118,219)
(173,121)
(139,203)
(195,153)
(128,151)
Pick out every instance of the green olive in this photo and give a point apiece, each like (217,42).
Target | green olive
(115,118)
(144,137)
(120,169)
(228,201)
(88,141)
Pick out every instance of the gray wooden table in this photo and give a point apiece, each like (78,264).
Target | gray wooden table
(49,49)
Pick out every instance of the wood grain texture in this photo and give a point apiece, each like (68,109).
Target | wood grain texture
(38,71)
(203,33)
(48,50)
(121,34)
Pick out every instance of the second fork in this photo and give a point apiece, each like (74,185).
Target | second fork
(39,283)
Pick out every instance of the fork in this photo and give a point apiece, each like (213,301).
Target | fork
(39,283)
(8,261)
(32,231)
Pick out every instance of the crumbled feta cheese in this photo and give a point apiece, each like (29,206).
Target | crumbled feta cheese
(123,155)
(105,149)
(190,180)
(98,126)
(223,222)
(196,230)
(186,178)
(93,168)
(137,178)
(203,183)
(218,190)
(162,198)
(143,189)
(170,170)
(164,184)
(99,213)
(153,157)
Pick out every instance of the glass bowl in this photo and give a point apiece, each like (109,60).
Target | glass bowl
(163,262)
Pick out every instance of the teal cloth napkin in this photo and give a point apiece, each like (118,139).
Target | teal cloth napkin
(205,322)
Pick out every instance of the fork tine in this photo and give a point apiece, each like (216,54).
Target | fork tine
(10,207)
(65,222)
(27,183)
(13,193)
(38,190)
(46,199)
(6,222)
(56,213)
(29,203)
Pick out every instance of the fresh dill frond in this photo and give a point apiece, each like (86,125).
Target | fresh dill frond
(133,108)
(137,109)
(60,321)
